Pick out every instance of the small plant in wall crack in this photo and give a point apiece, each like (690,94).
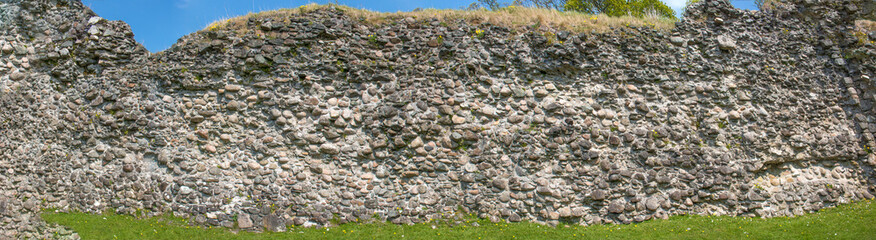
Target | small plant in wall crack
(372,39)
(479,34)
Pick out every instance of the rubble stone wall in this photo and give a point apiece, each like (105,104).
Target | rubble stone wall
(317,116)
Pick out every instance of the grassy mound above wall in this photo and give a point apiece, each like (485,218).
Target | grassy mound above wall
(513,17)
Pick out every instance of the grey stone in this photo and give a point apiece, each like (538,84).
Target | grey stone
(544,190)
(16,76)
(652,204)
(678,41)
(565,212)
(94,20)
(244,221)
(500,183)
(94,30)
(616,207)
(726,42)
(515,119)
(184,190)
(329,148)
(274,223)
(514,218)
(598,195)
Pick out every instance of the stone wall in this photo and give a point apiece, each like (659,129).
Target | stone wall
(316,116)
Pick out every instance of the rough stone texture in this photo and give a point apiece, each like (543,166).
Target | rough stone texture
(305,118)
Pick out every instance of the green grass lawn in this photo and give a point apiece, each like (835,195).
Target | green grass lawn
(850,221)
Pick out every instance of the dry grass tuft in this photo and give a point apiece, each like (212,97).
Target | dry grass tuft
(865,25)
(862,29)
(513,17)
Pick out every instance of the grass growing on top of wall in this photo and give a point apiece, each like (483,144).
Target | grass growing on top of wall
(512,17)
(850,221)
(865,25)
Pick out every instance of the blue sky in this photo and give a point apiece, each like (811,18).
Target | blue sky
(157,24)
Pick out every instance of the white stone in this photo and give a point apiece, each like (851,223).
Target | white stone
(185,190)
(94,20)
(94,30)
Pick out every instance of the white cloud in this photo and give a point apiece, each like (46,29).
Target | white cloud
(676,5)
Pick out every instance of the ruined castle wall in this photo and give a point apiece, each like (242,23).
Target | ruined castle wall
(315,116)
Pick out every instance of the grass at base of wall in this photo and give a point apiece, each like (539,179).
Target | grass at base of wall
(850,221)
